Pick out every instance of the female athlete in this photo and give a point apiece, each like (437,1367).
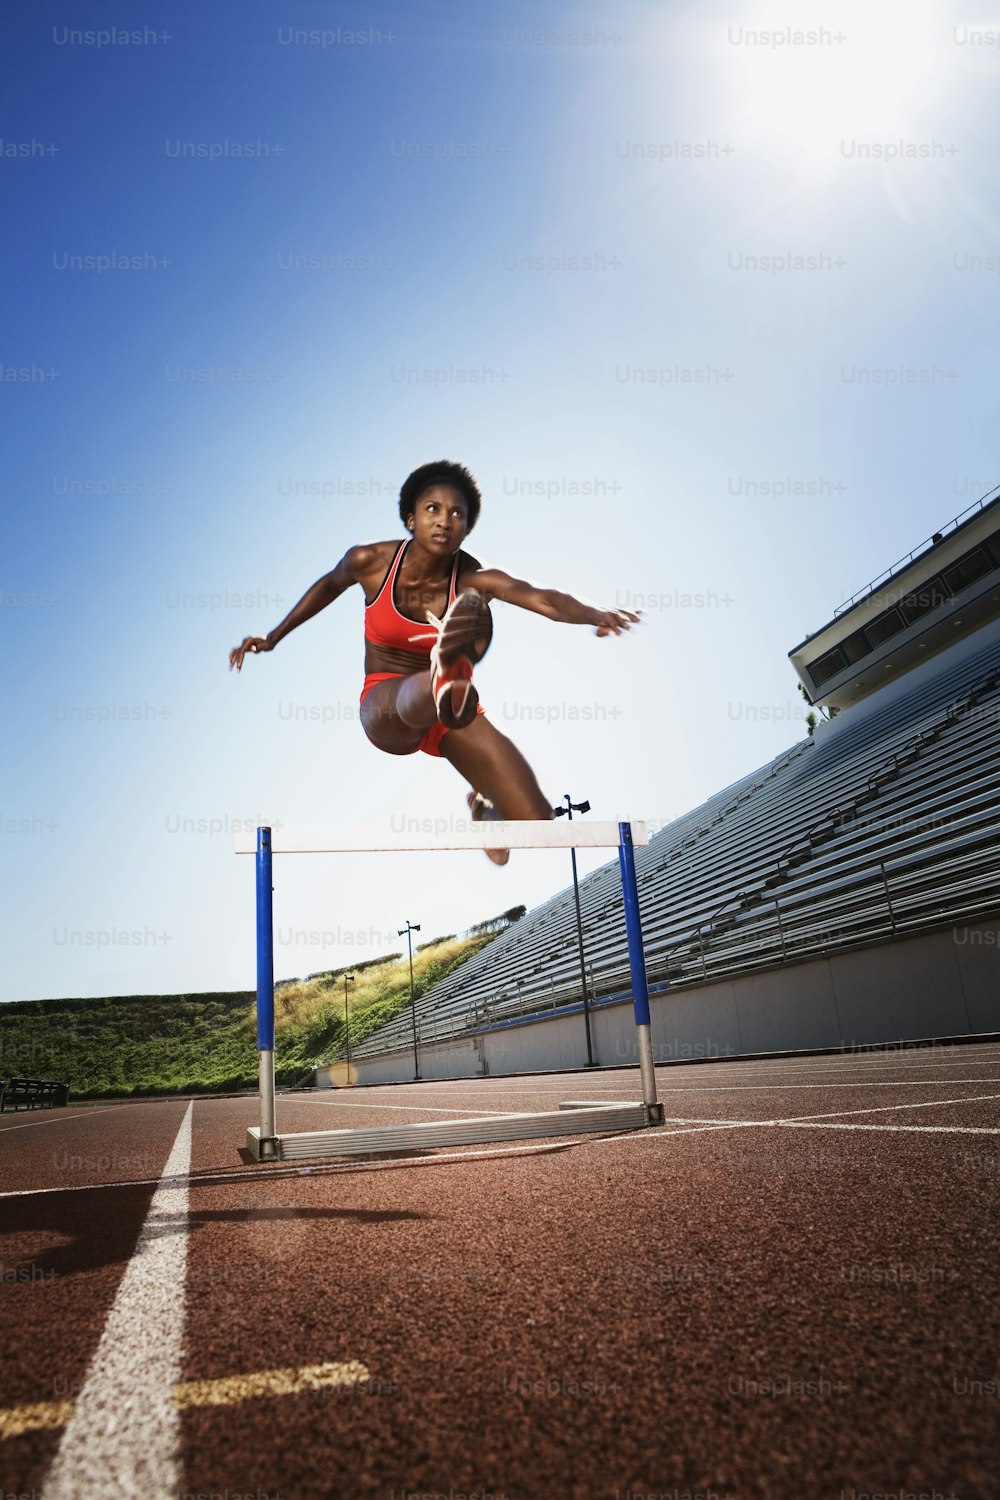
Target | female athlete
(427,623)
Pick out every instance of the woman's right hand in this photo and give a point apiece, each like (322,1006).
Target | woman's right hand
(252,643)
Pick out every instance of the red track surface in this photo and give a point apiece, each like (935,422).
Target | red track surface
(731,1308)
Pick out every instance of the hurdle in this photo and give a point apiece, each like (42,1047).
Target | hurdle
(574,1117)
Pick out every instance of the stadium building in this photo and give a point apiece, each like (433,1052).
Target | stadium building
(847,893)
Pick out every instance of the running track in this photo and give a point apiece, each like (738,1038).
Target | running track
(791,1290)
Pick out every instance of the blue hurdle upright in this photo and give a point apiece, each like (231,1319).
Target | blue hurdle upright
(572,1118)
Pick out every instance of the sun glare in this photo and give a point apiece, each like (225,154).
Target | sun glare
(807,83)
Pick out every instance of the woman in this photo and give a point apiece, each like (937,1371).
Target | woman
(418,692)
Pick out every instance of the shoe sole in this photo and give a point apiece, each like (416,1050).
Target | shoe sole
(468,630)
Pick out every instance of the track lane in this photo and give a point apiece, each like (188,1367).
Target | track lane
(609,1318)
(63,1254)
(753,1308)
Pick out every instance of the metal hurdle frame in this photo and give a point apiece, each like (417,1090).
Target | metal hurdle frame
(572,1118)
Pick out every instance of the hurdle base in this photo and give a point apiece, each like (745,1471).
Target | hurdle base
(263,1148)
(653,1113)
(430,1135)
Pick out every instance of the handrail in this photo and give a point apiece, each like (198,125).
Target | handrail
(918,551)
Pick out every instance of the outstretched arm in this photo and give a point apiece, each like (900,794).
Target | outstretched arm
(322,593)
(549,602)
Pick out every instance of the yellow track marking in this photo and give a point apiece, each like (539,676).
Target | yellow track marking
(227,1391)
(233,1388)
(19,1419)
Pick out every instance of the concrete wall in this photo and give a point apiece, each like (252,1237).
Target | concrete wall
(941,983)
(456,1059)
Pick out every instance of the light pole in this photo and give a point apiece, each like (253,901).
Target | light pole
(410,929)
(348,979)
(570,808)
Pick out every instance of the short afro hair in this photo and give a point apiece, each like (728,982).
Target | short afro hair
(441,472)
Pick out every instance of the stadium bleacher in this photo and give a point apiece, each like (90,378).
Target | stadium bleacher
(880,824)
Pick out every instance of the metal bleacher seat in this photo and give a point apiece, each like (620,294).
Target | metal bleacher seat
(882,823)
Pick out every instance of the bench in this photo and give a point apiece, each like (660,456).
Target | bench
(33,1093)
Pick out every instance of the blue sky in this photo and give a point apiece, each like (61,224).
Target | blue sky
(705,296)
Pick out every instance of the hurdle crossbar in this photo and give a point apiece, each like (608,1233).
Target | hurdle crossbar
(573,1118)
(418,834)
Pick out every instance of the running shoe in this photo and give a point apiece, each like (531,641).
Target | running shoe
(460,639)
(481,809)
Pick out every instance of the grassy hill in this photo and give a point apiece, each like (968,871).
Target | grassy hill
(164,1044)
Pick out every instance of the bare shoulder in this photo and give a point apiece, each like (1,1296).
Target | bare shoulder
(467,564)
(492,582)
(369,562)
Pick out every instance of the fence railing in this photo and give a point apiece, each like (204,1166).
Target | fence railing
(917,551)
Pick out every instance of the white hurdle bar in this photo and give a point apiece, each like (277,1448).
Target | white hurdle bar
(440,833)
(572,1118)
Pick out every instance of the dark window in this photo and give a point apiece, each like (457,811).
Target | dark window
(967,569)
(927,597)
(825,667)
(884,626)
(993,544)
(855,647)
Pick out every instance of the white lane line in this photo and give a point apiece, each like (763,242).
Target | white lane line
(166,1183)
(748,1088)
(579,1089)
(877,1109)
(582,1143)
(655,1135)
(697,1124)
(61,1120)
(286,1171)
(124,1435)
(622,1138)
(881,1109)
(598,1096)
(984,1059)
(543,1148)
(870,1125)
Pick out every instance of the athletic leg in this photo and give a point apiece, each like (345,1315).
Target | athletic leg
(494,766)
(395,715)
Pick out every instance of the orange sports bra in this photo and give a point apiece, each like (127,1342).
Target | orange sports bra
(385,626)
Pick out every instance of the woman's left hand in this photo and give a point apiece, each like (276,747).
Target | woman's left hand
(614,621)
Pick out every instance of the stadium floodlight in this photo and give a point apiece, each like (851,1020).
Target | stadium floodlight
(410,929)
(570,808)
(348,979)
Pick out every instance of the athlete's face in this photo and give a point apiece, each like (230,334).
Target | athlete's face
(440,520)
